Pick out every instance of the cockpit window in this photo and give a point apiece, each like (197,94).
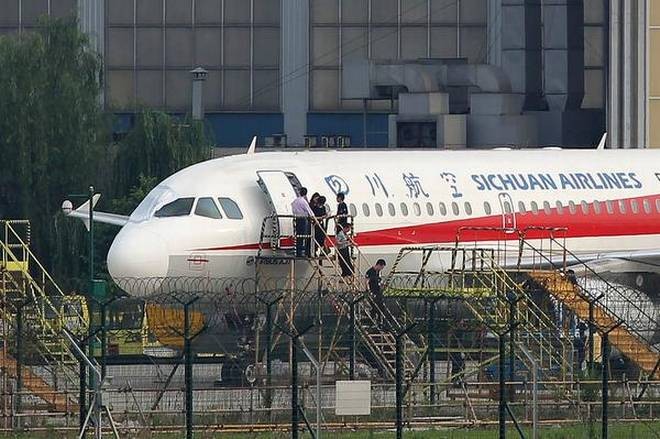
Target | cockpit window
(206,207)
(179,207)
(232,211)
(157,198)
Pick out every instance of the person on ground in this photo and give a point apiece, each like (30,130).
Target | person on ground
(303,214)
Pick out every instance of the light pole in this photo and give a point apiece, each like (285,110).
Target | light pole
(83,345)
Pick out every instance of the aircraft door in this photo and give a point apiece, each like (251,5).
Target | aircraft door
(508,211)
(280,191)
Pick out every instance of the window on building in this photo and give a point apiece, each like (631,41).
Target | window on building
(179,207)
(353,210)
(442,208)
(622,207)
(454,208)
(232,211)
(522,209)
(417,209)
(206,207)
(634,205)
(429,209)
(535,208)
(647,206)
(379,209)
(609,206)
(391,209)
(572,208)
(546,208)
(585,207)
(365,209)
(468,208)
(560,208)
(404,209)
(487,208)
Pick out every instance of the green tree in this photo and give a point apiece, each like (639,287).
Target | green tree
(50,125)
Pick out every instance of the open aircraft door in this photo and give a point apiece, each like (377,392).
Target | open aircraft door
(281,189)
(508,211)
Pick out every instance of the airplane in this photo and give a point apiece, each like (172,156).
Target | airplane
(206,220)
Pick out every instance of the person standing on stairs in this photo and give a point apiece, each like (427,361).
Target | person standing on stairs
(342,210)
(343,242)
(303,215)
(373,278)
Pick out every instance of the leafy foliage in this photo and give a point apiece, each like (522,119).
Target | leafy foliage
(54,141)
(50,127)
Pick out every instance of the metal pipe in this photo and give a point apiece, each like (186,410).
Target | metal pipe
(19,358)
(294,388)
(351,349)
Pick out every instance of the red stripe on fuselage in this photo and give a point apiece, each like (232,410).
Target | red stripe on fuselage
(577,225)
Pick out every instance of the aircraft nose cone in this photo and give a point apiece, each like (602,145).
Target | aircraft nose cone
(137,254)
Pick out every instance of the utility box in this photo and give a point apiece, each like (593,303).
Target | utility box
(353,398)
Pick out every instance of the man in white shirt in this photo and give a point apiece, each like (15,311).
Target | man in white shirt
(301,210)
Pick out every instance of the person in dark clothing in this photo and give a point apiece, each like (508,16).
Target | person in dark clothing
(342,210)
(320,213)
(343,243)
(373,277)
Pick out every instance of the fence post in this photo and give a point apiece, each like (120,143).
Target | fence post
(605,381)
(431,349)
(502,392)
(351,341)
(399,371)
(592,328)
(19,362)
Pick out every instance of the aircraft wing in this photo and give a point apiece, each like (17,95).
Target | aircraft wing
(82,213)
(624,262)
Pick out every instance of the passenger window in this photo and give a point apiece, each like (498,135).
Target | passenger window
(597,207)
(560,208)
(635,206)
(468,208)
(206,207)
(647,206)
(429,209)
(379,209)
(365,209)
(585,207)
(622,206)
(546,208)
(404,209)
(353,210)
(507,207)
(391,209)
(572,208)
(522,209)
(609,207)
(487,208)
(417,209)
(535,208)
(180,207)
(657,205)
(232,211)
(443,208)
(454,208)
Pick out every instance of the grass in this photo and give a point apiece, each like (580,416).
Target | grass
(616,431)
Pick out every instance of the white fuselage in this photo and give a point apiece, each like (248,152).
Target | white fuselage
(608,200)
